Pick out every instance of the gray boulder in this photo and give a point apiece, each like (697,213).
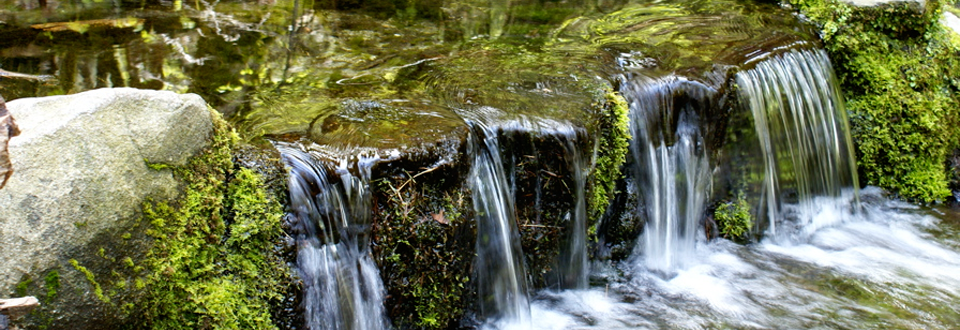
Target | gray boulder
(951,21)
(82,171)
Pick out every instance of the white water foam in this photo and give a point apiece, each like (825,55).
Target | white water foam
(875,269)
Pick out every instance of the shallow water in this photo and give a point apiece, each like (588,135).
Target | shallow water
(882,268)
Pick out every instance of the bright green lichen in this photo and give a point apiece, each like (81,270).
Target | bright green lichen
(198,279)
(90,278)
(611,154)
(900,73)
(156,166)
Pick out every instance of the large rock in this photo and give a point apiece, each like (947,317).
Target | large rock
(83,170)
(951,21)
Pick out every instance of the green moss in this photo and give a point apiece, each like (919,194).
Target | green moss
(52,283)
(156,166)
(899,72)
(202,272)
(421,250)
(21,289)
(734,218)
(90,278)
(611,154)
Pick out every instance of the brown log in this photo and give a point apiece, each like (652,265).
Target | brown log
(16,75)
(83,26)
(17,307)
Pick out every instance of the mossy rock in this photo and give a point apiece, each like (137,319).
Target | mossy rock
(206,258)
(898,68)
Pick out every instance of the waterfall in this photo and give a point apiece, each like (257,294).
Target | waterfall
(501,283)
(331,214)
(573,265)
(803,134)
(669,164)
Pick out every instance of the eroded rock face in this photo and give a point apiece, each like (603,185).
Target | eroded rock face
(83,171)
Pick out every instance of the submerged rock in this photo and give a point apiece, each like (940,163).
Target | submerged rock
(85,164)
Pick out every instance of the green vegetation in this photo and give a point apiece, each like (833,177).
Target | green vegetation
(734,218)
(21,289)
(611,154)
(90,278)
(900,73)
(156,166)
(52,283)
(422,254)
(213,263)
(884,306)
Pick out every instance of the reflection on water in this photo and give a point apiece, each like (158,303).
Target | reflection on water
(273,67)
(226,50)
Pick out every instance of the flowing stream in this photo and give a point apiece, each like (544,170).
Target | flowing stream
(670,165)
(876,269)
(829,260)
(825,254)
(342,286)
(804,138)
(501,275)
(573,265)
(501,282)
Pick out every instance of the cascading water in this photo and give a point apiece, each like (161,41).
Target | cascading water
(571,269)
(804,136)
(501,283)
(573,265)
(888,265)
(501,272)
(669,164)
(342,286)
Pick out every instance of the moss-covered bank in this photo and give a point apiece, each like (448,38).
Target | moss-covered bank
(210,260)
(900,74)
(214,262)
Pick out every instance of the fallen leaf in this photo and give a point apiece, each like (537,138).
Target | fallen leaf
(440,218)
